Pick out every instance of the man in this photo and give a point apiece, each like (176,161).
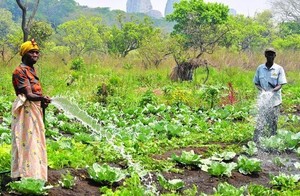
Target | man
(29,155)
(269,78)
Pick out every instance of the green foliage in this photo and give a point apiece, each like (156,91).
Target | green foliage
(6,23)
(250,149)
(29,186)
(284,181)
(148,98)
(288,28)
(248,165)
(5,157)
(105,173)
(77,63)
(41,32)
(153,49)
(284,140)
(220,169)
(200,23)
(225,189)
(171,185)
(179,96)
(81,35)
(191,191)
(187,158)
(55,11)
(289,42)
(246,33)
(129,36)
(211,94)
(68,153)
(132,186)
(254,189)
(67,180)
(224,156)
(9,37)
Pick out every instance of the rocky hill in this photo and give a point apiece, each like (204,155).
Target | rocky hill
(142,6)
(169,6)
(138,6)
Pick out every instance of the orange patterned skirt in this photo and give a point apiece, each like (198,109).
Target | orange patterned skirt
(29,153)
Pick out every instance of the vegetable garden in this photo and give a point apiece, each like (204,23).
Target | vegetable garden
(152,136)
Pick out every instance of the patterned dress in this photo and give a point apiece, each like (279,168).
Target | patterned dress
(29,155)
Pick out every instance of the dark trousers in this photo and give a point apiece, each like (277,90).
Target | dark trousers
(266,123)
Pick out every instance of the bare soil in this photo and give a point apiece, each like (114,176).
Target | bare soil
(191,176)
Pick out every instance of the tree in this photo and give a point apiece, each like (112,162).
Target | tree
(288,29)
(154,49)
(82,35)
(129,36)
(287,10)
(201,26)
(7,26)
(41,31)
(246,34)
(27,22)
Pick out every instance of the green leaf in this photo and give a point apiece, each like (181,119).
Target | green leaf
(174,184)
(228,189)
(105,173)
(187,158)
(248,165)
(221,169)
(29,186)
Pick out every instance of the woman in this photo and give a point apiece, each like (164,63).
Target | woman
(29,155)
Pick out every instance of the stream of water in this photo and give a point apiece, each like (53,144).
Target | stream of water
(73,111)
(273,162)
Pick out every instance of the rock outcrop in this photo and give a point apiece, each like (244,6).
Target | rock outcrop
(138,6)
(142,6)
(154,14)
(169,6)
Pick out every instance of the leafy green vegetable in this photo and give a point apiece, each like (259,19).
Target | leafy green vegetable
(187,158)
(228,189)
(223,156)
(284,181)
(250,149)
(105,173)
(248,165)
(254,189)
(132,186)
(5,157)
(221,169)
(67,180)
(284,140)
(29,186)
(174,184)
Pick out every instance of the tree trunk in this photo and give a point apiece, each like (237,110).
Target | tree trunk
(184,71)
(27,24)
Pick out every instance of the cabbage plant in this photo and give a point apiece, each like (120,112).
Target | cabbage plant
(187,158)
(105,173)
(220,169)
(29,186)
(247,165)
(174,184)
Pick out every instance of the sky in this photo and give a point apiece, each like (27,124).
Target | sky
(246,7)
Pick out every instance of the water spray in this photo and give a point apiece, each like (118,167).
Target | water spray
(73,111)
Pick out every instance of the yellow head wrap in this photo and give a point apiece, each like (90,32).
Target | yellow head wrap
(27,46)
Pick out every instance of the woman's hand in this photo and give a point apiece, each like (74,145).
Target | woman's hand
(45,101)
